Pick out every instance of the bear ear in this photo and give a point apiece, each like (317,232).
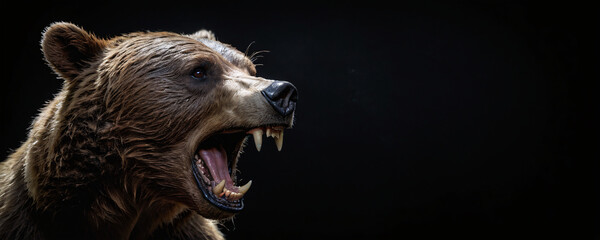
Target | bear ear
(68,49)
(204,34)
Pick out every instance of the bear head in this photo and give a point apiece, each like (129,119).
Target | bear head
(162,115)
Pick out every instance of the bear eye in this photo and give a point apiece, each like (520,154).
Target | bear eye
(199,73)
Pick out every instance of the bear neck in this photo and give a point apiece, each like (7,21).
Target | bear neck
(76,175)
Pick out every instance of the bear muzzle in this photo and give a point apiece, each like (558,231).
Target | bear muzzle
(282,96)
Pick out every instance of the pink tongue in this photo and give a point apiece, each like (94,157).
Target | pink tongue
(216,161)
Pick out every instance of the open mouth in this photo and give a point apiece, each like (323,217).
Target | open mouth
(214,164)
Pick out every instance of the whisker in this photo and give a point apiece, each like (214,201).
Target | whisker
(248,48)
(254,58)
(258,52)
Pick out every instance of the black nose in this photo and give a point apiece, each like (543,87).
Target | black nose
(282,96)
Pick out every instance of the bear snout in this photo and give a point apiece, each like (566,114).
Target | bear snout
(282,96)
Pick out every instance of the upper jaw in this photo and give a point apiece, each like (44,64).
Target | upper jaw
(270,130)
(276,132)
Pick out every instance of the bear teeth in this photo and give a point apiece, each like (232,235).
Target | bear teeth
(202,169)
(222,192)
(219,188)
(244,189)
(274,132)
(257,134)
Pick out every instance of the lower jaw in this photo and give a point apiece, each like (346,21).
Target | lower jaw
(222,204)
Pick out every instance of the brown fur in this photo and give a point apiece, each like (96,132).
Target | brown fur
(108,157)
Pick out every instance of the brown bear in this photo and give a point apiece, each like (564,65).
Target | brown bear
(143,139)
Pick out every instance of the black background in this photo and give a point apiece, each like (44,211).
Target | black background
(415,119)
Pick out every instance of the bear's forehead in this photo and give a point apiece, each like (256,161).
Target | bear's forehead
(167,45)
(230,53)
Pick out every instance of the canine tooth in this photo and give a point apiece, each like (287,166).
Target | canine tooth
(279,141)
(257,134)
(219,188)
(243,189)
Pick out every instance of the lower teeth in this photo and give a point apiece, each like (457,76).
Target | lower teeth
(219,189)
